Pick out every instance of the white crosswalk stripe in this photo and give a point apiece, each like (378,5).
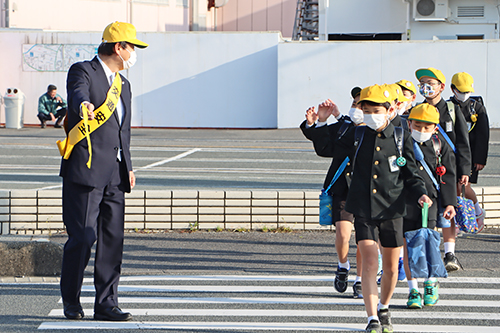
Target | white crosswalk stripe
(305,303)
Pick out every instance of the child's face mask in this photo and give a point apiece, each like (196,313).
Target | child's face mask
(356,115)
(462,97)
(420,136)
(426,90)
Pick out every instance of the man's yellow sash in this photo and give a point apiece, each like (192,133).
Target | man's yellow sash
(85,127)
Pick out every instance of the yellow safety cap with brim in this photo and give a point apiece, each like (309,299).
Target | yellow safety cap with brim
(408,85)
(425,112)
(398,92)
(376,93)
(121,32)
(463,82)
(430,72)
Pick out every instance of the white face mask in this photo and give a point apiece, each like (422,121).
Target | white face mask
(131,61)
(420,136)
(356,115)
(462,97)
(402,108)
(375,121)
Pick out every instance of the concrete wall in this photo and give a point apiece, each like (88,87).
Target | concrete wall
(310,72)
(181,80)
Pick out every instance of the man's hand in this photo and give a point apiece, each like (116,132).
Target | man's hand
(449,212)
(91,108)
(424,198)
(58,99)
(52,117)
(464,180)
(311,116)
(132,179)
(478,166)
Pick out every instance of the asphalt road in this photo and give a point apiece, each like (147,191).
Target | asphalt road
(192,159)
(223,282)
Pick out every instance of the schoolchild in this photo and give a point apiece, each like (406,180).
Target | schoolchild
(436,155)
(453,124)
(410,92)
(398,103)
(383,168)
(323,138)
(462,85)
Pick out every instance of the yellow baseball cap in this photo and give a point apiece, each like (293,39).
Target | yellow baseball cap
(430,72)
(407,85)
(425,112)
(121,32)
(397,92)
(463,82)
(376,94)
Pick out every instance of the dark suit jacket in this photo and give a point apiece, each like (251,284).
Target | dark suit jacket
(87,82)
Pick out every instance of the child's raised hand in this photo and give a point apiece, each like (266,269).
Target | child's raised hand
(311,116)
(424,198)
(334,107)
(449,212)
(325,109)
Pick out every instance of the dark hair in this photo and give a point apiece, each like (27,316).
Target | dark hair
(386,105)
(412,93)
(51,87)
(109,48)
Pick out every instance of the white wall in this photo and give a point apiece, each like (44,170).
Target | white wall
(181,80)
(314,71)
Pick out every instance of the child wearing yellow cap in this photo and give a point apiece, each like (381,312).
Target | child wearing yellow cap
(323,137)
(383,169)
(454,130)
(410,92)
(462,86)
(436,165)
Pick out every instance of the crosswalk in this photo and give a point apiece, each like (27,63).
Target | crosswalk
(281,303)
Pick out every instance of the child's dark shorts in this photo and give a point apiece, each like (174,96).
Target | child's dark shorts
(339,212)
(390,232)
(410,225)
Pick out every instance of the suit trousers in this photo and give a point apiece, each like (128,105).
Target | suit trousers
(93,214)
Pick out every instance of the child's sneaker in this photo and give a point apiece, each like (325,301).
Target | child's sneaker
(451,262)
(431,295)
(480,220)
(414,300)
(340,282)
(356,290)
(385,320)
(401,270)
(374,327)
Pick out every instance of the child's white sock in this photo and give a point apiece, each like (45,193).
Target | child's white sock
(401,253)
(373,318)
(477,207)
(382,306)
(413,284)
(358,279)
(449,247)
(345,265)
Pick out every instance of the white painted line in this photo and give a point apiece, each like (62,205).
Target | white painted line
(279,300)
(296,313)
(48,188)
(149,166)
(282,278)
(256,326)
(273,289)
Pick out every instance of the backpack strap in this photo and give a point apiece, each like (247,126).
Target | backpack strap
(404,123)
(343,128)
(451,111)
(447,138)
(359,134)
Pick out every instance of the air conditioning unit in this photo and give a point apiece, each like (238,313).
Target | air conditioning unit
(430,10)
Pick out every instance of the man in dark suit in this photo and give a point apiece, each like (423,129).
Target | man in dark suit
(93,189)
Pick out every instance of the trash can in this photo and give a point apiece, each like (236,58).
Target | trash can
(14,108)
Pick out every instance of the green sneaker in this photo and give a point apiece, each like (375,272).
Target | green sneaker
(431,295)
(414,300)
(385,320)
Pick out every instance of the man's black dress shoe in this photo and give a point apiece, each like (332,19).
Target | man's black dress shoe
(73,311)
(112,314)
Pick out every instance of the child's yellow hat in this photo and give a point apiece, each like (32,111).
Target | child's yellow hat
(463,81)
(425,112)
(430,72)
(407,85)
(397,92)
(121,32)
(376,94)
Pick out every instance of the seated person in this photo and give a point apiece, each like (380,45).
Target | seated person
(51,106)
